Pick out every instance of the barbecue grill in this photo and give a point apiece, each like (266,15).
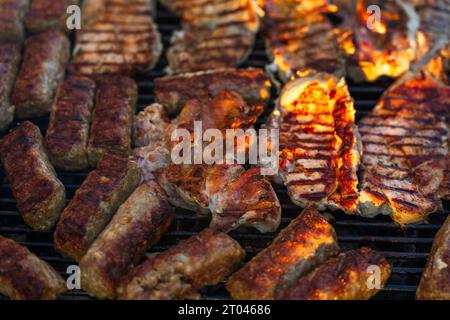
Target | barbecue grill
(406,248)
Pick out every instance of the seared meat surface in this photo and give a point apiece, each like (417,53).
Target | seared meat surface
(319,151)
(305,243)
(12,13)
(9,65)
(345,277)
(178,273)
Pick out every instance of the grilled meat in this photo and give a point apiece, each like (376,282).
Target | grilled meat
(43,68)
(235,197)
(23,276)
(300,39)
(48,15)
(345,277)
(435,282)
(138,224)
(9,65)
(112,118)
(215,35)
(68,129)
(384,48)
(404,141)
(319,151)
(308,241)
(39,194)
(174,91)
(93,205)
(118,36)
(12,13)
(178,273)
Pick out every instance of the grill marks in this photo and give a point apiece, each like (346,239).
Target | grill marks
(300,38)
(118,36)
(318,142)
(215,35)
(405,149)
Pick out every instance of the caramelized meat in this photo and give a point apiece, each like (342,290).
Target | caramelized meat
(93,205)
(39,194)
(319,154)
(178,273)
(346,277)
(12,13)
(9,64)
(23,276)
(308,241)
(138,224)
(68,130)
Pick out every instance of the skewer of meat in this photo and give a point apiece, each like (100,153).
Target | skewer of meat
(304,244)
(178,273)
(23,276)
(9,65)
(48,15)
(435,282)
(43,68)
(118,37)
(12,13)
(112,118)
(405,149)
(215,35)
(68,130)
(174,91)
(39,194)
(299,38)
(94,204)
(319,142)
(138,224)
(345,277)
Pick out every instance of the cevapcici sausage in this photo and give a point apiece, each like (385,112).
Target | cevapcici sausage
(93,205)
(43,68)
(9,64)
(308,241)
(113,117)
(12,13)
(23,276)
(345,277)
(202,260)
(40,195)
(138,224)
(68,130)
(435,282)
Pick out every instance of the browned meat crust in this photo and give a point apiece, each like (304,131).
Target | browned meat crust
(43,68)
(9,65)
(346,277)
(404,140)
(202,260)
(174,91)
(215,35)
(39,194)
(93,205)
(300,39)
(23,276)
(435,282)
(12,13)
(112,118)
(319,142)
(48,15)
(305,243)
(138,224)
(68,130)
(118,37)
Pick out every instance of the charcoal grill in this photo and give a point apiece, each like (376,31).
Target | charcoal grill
(406,248)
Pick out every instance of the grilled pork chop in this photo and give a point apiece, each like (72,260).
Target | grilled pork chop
(118,36)
(215,35)
(299,38)
(405,148)
(319,151)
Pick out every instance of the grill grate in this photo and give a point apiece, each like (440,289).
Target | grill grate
(407,249)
